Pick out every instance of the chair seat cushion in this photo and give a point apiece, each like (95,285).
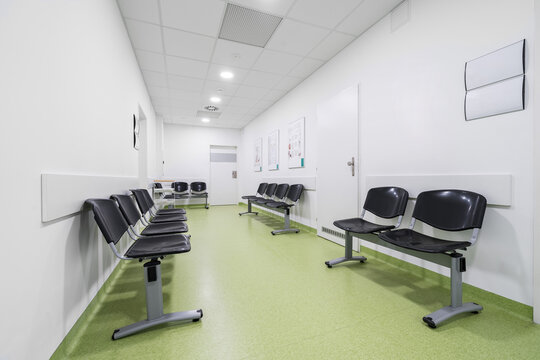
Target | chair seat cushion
(165,228)
(360,226)
(278,204)
(413,240)
(159,245)
(168,218)
(171,211)
(250,197)
(263,201)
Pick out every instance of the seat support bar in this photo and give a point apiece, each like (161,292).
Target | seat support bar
(154,305)
(348,253)
(287,225)
(249,210)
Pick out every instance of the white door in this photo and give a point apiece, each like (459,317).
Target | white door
(223,185)
(337,185)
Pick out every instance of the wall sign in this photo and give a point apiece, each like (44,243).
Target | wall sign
(296,144)
(257,164)
(273,150)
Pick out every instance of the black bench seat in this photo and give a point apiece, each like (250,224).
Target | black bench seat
(410,239)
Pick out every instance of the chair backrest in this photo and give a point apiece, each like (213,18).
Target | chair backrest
(141,201)
(270,189)
(262,188)
(158,186)
(109,219)
(128,208)
(198,186)
(149,201)
(295,191)
(172,184)
(450,210)
(386,202)
(180,186)
(281,191)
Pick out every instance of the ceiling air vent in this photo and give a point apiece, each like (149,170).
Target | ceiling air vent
(248,26)
(208,114)
(211,108)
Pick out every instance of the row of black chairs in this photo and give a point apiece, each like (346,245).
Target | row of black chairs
(181,190)
(448,210)
(280,197)
(163,234)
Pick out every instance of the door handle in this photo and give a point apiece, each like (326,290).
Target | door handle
(351,164)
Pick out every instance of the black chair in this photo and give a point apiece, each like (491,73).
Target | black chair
(279,195)
(384,202)
(292,198)
(449,210)
(260,192)
(132,216)
(268,193)
(113,226)
(146,209)
(158,185)
(198,190)
(154,209)
(180,190)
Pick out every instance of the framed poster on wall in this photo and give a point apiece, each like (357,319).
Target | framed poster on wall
(273,150)
(296,144)
(257,165)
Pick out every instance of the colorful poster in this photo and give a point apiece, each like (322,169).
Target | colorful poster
(273,150)
(296,144)
(258,155)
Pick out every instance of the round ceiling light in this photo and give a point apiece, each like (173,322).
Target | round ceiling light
(205,120)
(226,75)
(215,99)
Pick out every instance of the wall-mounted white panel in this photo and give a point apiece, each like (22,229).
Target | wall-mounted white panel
(497,188)
(498,98)
(309,182)
(64,194)
(496,66)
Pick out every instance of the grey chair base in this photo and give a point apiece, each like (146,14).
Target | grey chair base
(193,315)
(154,305)
(249,210)
(445,313)
(348,253)
(284,231)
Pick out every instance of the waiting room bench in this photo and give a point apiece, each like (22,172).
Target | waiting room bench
(447,210)
(277,200)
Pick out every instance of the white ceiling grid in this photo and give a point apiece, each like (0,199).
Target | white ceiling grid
(181,56)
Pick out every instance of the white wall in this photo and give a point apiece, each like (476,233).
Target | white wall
(187,151)
(70,84)
(411,115)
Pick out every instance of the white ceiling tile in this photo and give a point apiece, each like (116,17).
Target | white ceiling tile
(287,83)
(261,79)
(263,104)
(367,14)
(251,92)
(177,112)
(235,54)
(322,12)
(186,95)
(145,10)
(200,16)
(276,62)
(274,95)
(331,46)
(242,102)
(237,110)
(274,7)
(150,61)
(215,70)
(159,101)
(185,83)
(186,67)
(229,89)
(306,67)
(158,91)
(183,44)
(144,36)
(296,38)
(155,78)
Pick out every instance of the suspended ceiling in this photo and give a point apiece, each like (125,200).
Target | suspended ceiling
(181,48)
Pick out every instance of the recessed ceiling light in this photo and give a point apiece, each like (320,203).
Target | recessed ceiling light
(205,120)
(215,99)
(226,75)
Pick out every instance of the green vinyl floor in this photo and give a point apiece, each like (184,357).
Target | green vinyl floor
(272,297)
